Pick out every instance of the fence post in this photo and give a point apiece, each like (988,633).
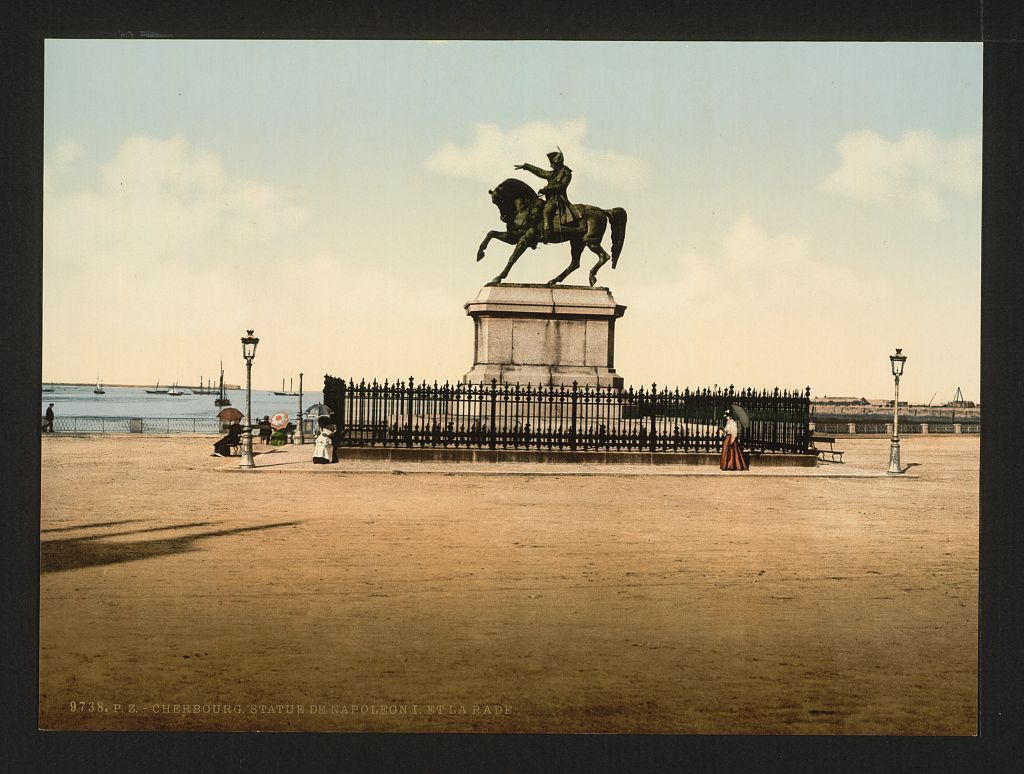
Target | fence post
(408,430)
(806,424)
(572,428)
(654,411)
(494,408)
(340,419)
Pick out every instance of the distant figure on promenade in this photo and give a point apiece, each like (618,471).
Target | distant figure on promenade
(323,447)
(48,424)
(732,453)
(266,429)
(223,447)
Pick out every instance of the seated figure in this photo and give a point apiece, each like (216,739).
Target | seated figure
(230,441)
(265,430)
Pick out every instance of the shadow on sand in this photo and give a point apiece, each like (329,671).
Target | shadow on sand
(94,525)
(77,553)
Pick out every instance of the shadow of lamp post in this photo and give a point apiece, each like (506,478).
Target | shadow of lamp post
(897,361)
(249,343)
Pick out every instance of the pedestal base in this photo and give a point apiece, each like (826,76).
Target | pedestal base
(546,375)
(536,334)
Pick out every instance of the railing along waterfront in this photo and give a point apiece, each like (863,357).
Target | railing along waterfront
(153,425)
(907,427)
(567,418)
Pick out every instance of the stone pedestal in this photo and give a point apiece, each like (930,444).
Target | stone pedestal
(535,334)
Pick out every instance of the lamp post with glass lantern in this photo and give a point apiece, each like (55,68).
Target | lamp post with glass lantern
(249,343)
(897,361)
(302,434)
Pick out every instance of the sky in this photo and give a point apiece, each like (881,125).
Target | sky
(796,210)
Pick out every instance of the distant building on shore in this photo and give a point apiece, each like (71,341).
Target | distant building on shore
(832,400)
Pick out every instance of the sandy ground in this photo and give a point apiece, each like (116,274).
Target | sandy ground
(178,592)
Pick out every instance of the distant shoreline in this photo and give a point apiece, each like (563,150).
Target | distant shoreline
(145,386)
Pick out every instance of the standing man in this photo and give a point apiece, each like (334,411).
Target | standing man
(48,427)
(558,177)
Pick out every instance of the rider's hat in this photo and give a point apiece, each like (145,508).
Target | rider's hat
(556,157)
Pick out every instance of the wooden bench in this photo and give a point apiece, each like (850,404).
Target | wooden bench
(835,455)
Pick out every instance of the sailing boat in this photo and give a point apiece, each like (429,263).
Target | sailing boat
(221,400)
(99,388)
(48,389)
(201,390)
(156,390)
(174,390)
(289,388)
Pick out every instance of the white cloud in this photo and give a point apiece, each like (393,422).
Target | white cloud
(149,260)
(158,262)
(765,273)
(760,305)
(312,312)
(66,152)
(493,152)
(60,158)
(164,200)
(913,173)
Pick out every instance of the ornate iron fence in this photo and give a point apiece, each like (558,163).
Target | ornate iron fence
(507,416)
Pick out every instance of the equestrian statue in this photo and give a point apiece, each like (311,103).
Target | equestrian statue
(531,220)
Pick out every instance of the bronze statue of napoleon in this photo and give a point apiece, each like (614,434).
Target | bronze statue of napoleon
(531,220)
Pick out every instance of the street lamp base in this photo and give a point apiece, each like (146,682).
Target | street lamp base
(895,469)
(247,461)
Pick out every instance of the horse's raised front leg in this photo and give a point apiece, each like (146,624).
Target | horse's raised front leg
(521,246)
(574,263)
(502,235)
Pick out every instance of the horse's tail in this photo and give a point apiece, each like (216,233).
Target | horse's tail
(617,217)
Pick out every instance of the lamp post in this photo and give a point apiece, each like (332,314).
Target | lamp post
(302,435)
(897,361)
(249,343)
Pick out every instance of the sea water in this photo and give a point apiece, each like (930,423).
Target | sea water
(135,402)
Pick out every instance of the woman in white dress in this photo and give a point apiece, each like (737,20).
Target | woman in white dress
(323,447)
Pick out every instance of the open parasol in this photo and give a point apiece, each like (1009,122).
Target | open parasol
(279,421)
(229,415)
(741,415)
(319,410)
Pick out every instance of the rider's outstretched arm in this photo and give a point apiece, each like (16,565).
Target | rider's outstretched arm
(545,173)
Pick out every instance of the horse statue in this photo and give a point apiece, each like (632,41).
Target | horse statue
(582,225)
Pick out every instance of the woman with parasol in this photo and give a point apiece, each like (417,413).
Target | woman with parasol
(230,441)
(733,457)
(278,425)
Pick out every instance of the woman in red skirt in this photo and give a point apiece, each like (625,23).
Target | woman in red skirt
(732,454)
